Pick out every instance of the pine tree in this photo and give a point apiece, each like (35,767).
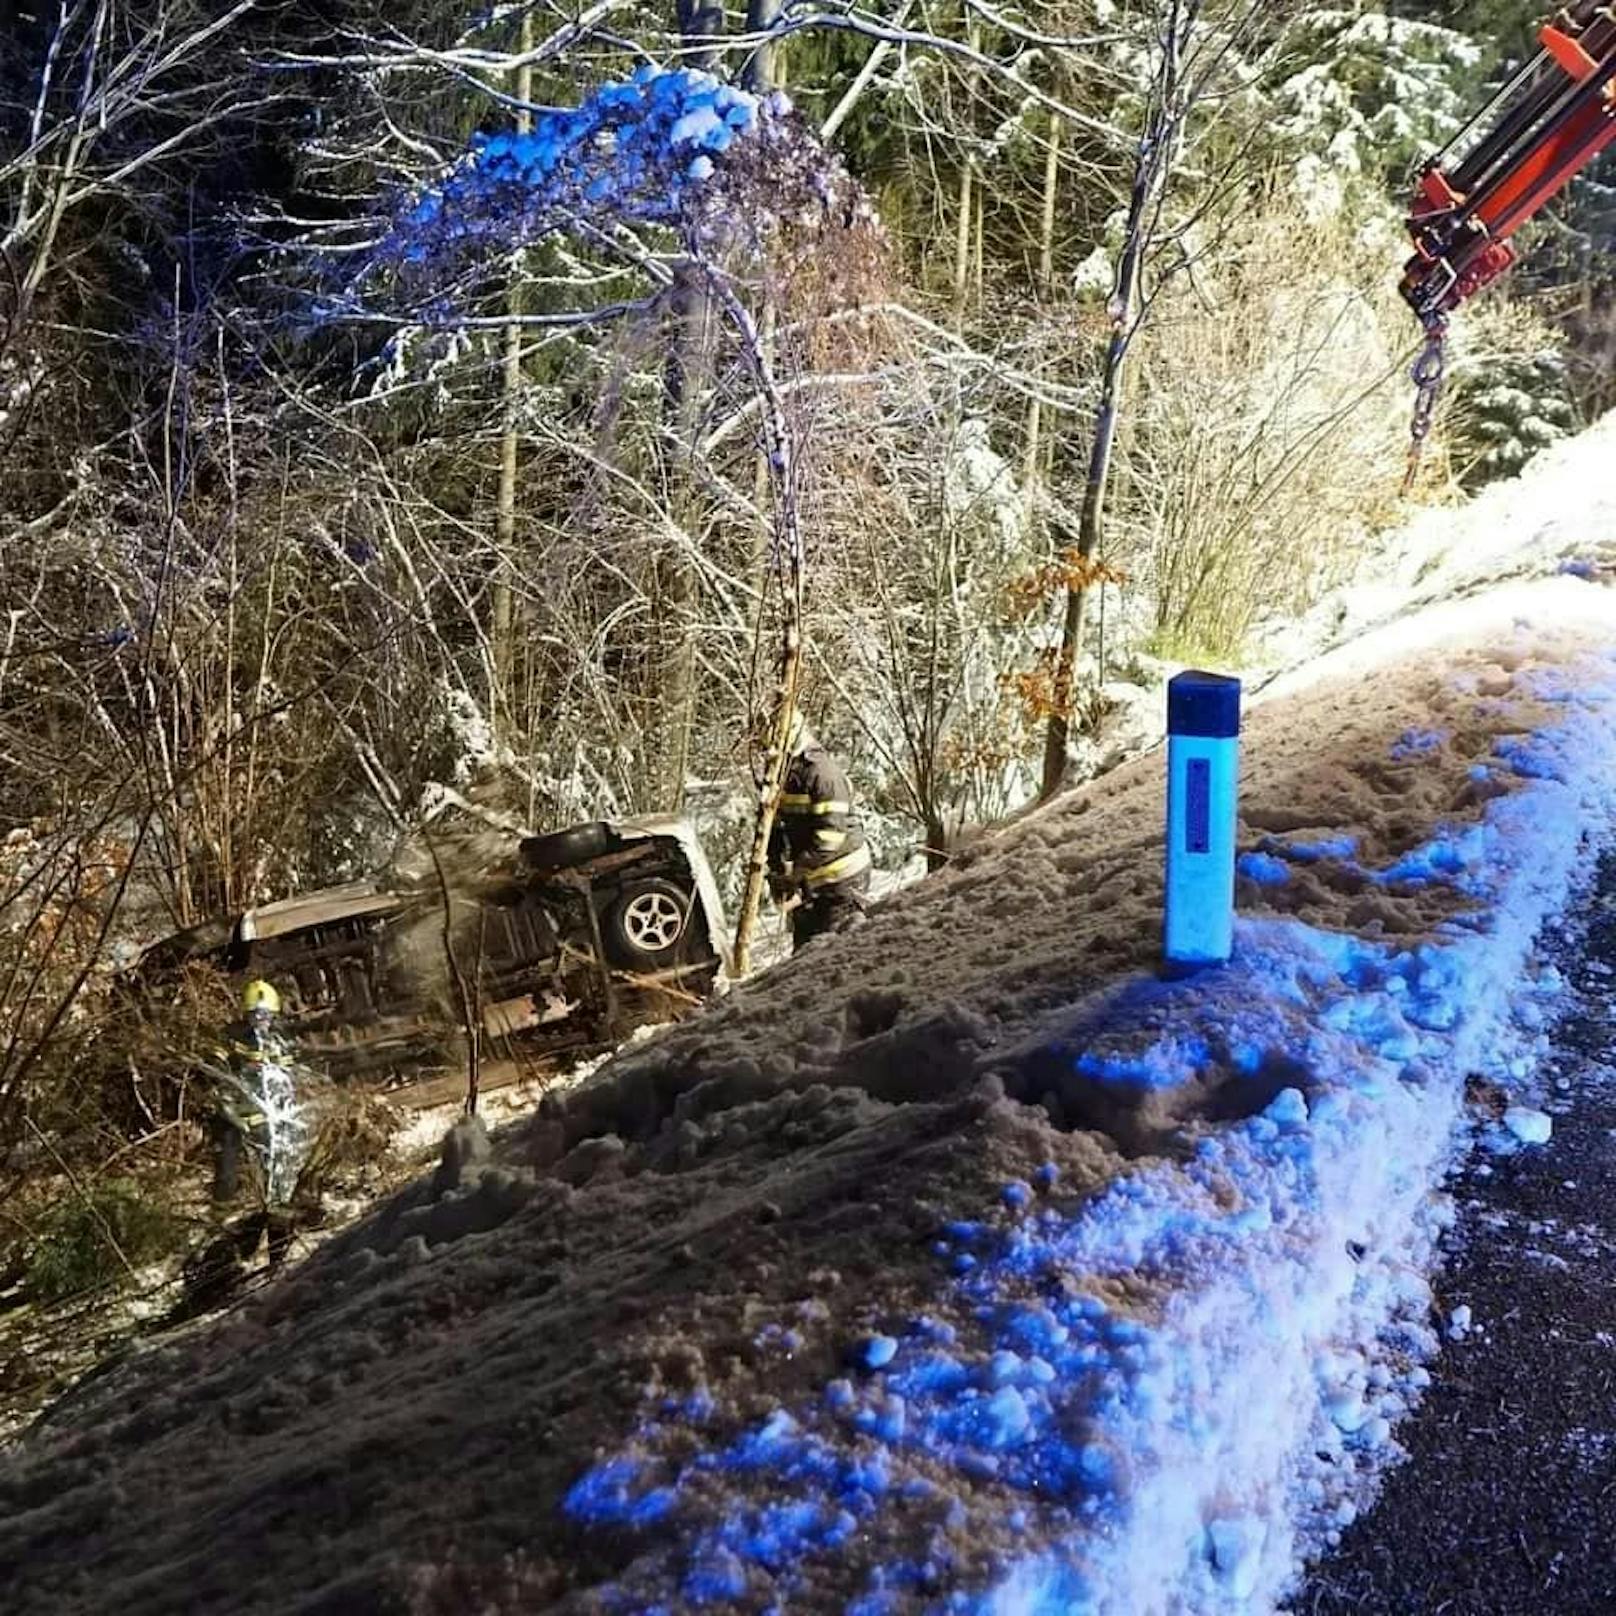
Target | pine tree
(1508,408)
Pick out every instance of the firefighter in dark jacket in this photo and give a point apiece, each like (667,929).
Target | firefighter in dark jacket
(819,863)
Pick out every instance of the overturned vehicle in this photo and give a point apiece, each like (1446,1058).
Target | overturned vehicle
(558,945)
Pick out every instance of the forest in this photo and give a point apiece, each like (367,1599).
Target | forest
(394,412)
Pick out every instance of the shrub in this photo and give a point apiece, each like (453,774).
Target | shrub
(76,1247)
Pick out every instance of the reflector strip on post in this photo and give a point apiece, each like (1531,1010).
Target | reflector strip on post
(1203,770)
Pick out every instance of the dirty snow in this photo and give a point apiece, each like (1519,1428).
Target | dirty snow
(1530,1126)
(957,1264)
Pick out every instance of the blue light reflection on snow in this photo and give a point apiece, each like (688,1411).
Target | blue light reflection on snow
(1263,868)
(639,150)
(1317,852)
(1035,1413)
(1417,743)
(1029,1399)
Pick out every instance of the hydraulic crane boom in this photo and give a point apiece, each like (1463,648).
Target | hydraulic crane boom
(1546,125)
(1538,133)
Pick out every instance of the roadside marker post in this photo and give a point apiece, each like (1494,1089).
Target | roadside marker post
(1203,788)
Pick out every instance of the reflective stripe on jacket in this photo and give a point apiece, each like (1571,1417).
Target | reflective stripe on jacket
(842,869)
(241,1101)
(817,841)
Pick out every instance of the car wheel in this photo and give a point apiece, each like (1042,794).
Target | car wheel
(562,849)
(646,923)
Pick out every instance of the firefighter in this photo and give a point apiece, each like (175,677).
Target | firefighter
(256,1116)
(255,1042)
(819,863)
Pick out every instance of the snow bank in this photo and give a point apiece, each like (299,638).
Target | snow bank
(1179,1447)
(1554,517)
(959,1263)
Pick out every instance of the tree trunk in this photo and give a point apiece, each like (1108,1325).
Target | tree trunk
(699,21)
(787,688)
(1046,228)
(468,990)
(979,270)
(1153,165)
(674,687)
(788,571)
(962,244)
(760,75)
(776,492)
(1032,471)
(503,637)
(672,718)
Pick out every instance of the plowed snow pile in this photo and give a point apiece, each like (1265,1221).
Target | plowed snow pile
(959,1264)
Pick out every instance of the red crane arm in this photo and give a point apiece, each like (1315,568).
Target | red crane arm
(1538,133)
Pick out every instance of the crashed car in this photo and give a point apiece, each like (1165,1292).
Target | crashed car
(566,947)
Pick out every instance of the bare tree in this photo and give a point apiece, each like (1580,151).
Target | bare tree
(114,97)
(1200,55)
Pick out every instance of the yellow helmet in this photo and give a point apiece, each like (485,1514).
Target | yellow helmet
(260,996)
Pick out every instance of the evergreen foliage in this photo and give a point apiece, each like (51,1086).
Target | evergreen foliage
(91,1242)
(1508,408)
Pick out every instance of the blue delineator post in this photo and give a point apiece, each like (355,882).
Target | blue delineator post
(1203,782)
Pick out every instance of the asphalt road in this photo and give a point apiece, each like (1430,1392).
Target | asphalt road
(1507,1505)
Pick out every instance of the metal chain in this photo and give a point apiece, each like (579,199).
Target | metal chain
(1428,373)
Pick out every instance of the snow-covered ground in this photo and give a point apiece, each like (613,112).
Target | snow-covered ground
(958,1264)
(1559,517)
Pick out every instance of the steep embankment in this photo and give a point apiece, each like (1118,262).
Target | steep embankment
(960,1262)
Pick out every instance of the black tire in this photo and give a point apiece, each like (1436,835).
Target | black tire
(562,849)
(646,924)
